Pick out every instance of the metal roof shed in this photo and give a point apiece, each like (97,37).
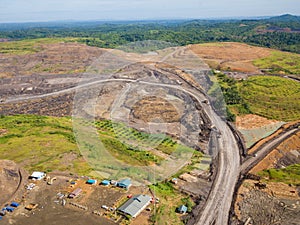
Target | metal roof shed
(37,175)
(14,204)
(135,205)
(125,183)
(91,181)
(75,193)
(105,182)
(182,209)
(10,209)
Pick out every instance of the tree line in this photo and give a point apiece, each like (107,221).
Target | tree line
(111,35)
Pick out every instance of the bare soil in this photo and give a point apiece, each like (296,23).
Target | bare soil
(276,204)
(151,108)
(231,56)
(9,179)
(254,148)
(251,121)
(287,153)
(60,58)
(177,109)
(50,210)
(279,203)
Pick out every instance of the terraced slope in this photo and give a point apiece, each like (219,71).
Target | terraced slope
(272,97)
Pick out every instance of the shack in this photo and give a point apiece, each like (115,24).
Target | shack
(105,182)
(182,209)
(37,175)
(14,204)
(9,209)
(75,193)
(125,183)
(91,181)
(135,205)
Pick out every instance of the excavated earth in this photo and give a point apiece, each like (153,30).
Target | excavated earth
(268,202)
(9,179)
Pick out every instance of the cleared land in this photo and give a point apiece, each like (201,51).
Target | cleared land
(251,121)
(254,127)
(278,189)
(28,46)
(45,56)
(280,63)
(231,56)
(239,57)
(281,164)
(66,55)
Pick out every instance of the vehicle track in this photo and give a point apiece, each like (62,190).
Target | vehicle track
(219,200)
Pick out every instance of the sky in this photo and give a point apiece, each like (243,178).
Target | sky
(57,10)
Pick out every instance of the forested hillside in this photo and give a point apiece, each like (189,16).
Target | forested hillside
(282,32)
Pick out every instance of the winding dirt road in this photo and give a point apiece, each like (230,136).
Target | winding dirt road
(219,200)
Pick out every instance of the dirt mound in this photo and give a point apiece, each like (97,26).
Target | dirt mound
(251,121)
(153,108)
(230,55)
(9,179)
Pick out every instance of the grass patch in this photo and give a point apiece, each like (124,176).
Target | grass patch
(288,175)
(137,148)
(170,199)
(29,46)
(280,63)
(139,140)
(164,189)
(272,97)
(41,143)
(129,154)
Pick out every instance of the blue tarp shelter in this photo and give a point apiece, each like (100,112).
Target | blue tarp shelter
(10,209)
(125,183)
(105,182)
(91,181)
(182,209)
(14,204)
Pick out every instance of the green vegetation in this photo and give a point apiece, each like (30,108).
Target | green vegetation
(129,154)
(235,104)
(188,203)
(194,164)
(139,140)
(272,97)
(41,143)
(268,96)
(288,175)
(280,63)
(163,189)
(30,45)
(169,199)
(266,32)
(48,143)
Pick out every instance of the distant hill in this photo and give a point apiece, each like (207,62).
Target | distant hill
(285,18)
(280,32)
